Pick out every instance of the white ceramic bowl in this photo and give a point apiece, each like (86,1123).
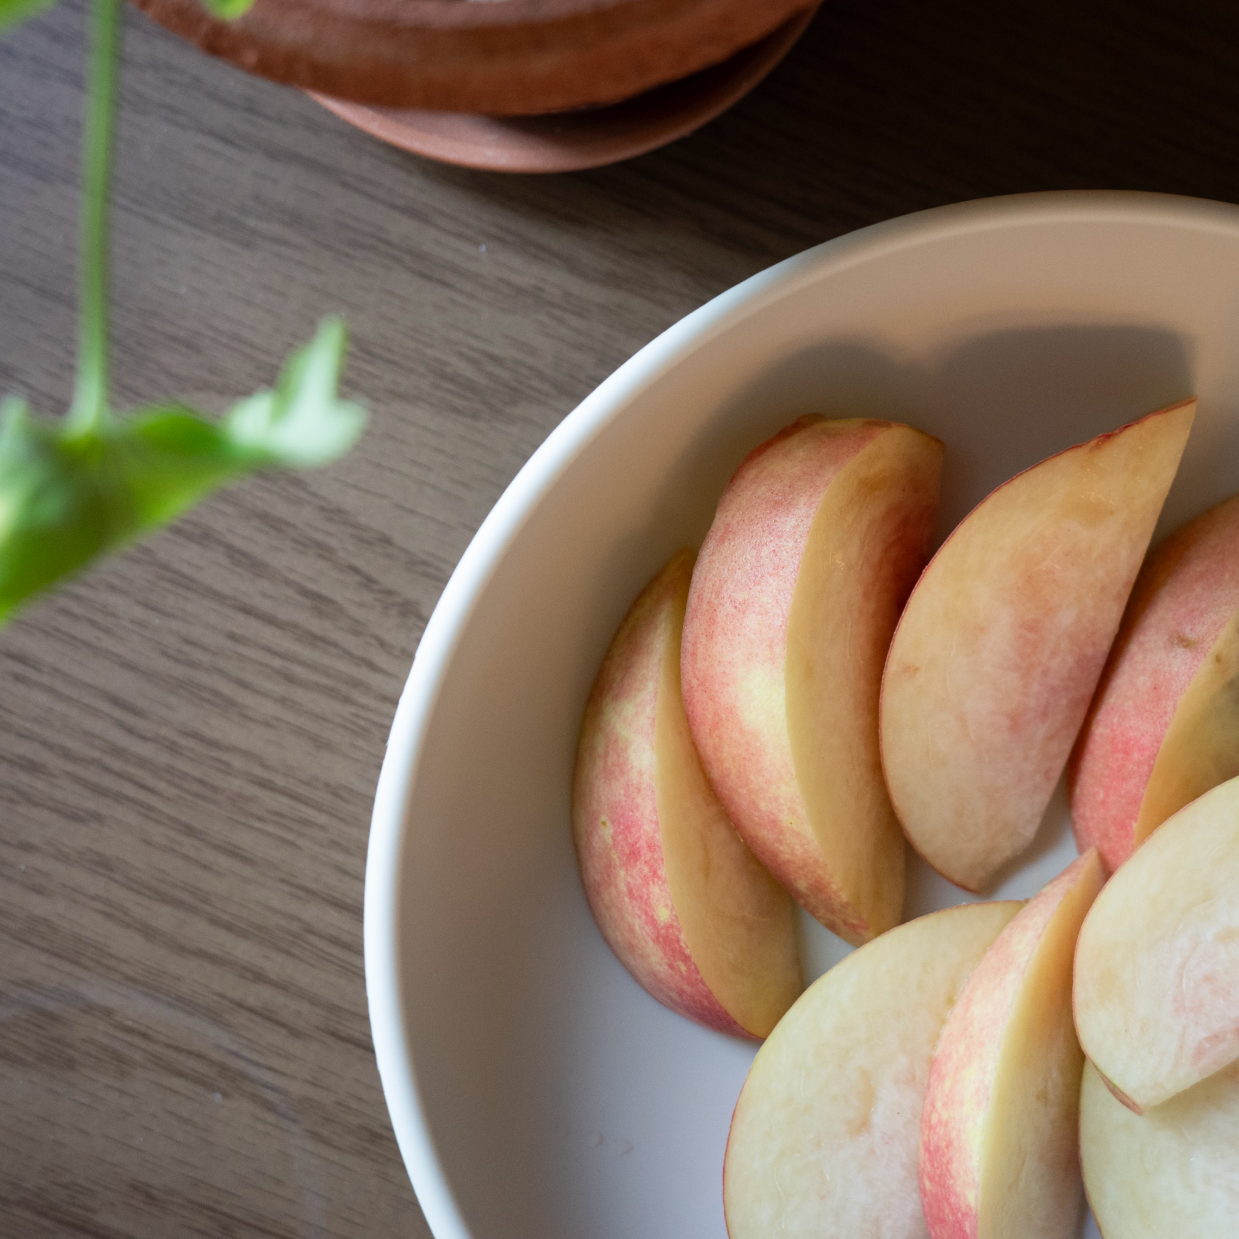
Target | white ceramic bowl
(536,1092)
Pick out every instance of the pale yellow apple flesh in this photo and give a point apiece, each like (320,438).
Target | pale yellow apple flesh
(1172,1173)
(1157,964)
(815,545)
(1002,642)
(998,1132)
(1164,725)
(823,1142)
(684,904)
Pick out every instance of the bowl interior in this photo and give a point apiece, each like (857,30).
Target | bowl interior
(536,1091)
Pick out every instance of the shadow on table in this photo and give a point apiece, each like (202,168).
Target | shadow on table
(887,108)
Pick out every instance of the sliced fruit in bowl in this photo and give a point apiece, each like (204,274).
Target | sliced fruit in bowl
(1000,647)
(679,898)
(1171,1172)
(1164,726)
(999,1153)
(824,1140)
(816,542)
(1156,1003)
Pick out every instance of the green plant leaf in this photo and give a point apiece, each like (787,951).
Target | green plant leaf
(168,458)
(75,489)
(229,9)
(14,12)
(67,497)
(302,423)
(57,509)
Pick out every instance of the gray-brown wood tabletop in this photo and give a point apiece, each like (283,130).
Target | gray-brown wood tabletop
(190,735)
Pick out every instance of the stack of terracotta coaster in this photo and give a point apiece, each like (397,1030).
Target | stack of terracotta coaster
(520,85)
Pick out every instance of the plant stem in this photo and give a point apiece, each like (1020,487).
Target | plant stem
(89,412)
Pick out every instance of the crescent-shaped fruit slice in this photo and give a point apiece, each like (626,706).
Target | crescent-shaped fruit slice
(824,1138)
(1170,1174)
(1002,642)
(816,543)
(999,1157)
(679,898)
(1164,725)
(1157,964)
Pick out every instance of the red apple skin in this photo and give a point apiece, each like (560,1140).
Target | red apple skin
(1184,600)
(823,1140)
(682,902)
(971,770)
(1006,1067)
(744,583)
(736,656)
(615,817)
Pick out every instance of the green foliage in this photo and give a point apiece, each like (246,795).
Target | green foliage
(302,423)
(75,488)
(14,12)
(229,9)
(68,496)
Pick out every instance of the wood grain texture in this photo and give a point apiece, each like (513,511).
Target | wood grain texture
(190,737)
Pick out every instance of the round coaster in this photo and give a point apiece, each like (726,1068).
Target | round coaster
(569,141)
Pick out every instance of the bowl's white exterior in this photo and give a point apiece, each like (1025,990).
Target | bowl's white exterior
(536,1092)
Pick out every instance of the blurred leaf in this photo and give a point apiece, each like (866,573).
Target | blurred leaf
(14,12)
(229,9)
(58,506)
(169,458)
(67,498)
(302,423)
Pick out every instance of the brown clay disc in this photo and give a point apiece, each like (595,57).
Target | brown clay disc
(494,57)
(587,137)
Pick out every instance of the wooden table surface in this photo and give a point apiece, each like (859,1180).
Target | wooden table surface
(190,736)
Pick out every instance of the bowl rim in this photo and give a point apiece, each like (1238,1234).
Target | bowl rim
(388,829)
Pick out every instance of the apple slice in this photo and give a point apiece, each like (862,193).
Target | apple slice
(1171,1172)
(1156,998)
(998,1133)
(684,904)
(1164,725)
(823,1142)
(816,543)
(1001,644)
